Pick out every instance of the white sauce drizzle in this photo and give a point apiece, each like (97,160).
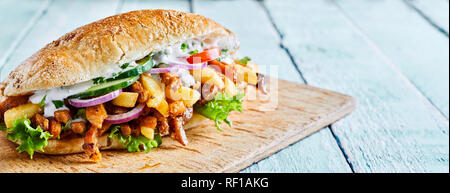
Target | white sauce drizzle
(114,70)
(79,120)
(173,53)
(59,93)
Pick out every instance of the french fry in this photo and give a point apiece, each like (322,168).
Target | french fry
(163,108)
(246,74)
(208,75)
(156,93)
(148,132)
(20,112)
(252,66)
(126,99)
(230,87)
(189,96)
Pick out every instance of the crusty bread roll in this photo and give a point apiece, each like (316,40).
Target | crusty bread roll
(87,52)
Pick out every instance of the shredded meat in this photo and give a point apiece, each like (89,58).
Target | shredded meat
(135,129)
(148,121)
(66,134)
(55,128)
(96,115)
(78,127)
(177,126)
(176,108)
(224,68)
(187,115)
(172,80)
(63,116)
(147,111)
(104,128)
(172,84)
(177,130)
(118,110)
(125,129)
(209,91)
(90,145)
(7,103)
(162,123)
(139,88)
(41,121)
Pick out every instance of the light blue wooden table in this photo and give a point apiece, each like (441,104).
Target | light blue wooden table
(392,55)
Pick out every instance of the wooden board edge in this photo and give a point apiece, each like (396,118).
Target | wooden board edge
(297,135)
(346,107)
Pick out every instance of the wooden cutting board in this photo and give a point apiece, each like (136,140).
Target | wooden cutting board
(268,124)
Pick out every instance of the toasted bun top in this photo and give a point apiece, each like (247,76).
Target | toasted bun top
(87,52)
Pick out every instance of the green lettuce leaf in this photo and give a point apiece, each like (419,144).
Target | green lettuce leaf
(42,103)
(184,46)
(219,108)
(58,103)
(244,60)
(193,52)
(31,139)
(133,143)
(81,113)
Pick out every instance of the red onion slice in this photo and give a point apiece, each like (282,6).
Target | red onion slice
(95,101)
(187,65)
(125,117)
(162,70)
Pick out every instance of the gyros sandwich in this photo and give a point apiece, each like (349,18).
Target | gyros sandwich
(123,82)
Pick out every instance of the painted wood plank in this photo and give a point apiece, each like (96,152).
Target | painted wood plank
(394,129)
(179,5)
(307,150)
(315,154)
(256,133)
(260,41)
(437,11)
(416,47)
(61,17)
(18,17)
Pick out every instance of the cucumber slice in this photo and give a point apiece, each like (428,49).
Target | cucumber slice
(145,65)
(106,87)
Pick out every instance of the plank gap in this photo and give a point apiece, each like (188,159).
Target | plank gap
(341,148)
(358,29)
(191,6)
(280,34)
(291,57)
(425,17)
(255,14)
(393,129)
